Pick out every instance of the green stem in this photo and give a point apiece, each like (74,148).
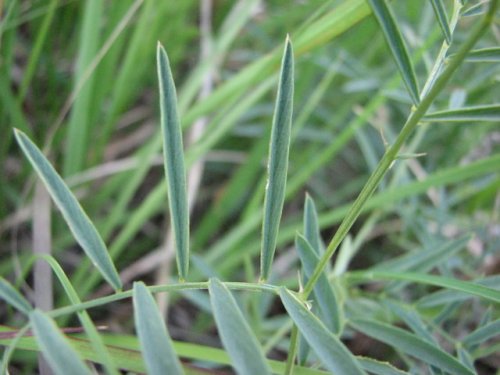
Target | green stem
(390,156)
(253,287)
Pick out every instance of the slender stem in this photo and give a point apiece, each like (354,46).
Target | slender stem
(390,156)
(253,287)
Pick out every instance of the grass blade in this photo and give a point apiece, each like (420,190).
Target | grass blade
(10,295)
(440,12)
(329,348)
(90,329)
(410,344)
(125,350)
(80,225)
(236,335)
(156,345)
(55,347)
(80,122)
(278,162)
(323,291)
(394,39)
(467,114)
(175,169)
(484,55)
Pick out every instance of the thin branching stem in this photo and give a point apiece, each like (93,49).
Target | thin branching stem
(391,154)
(253,287)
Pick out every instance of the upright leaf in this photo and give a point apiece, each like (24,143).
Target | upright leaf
(82,114)
(311,226)
(330,350)
(55,347)
(396,43)
(80,225)
(235,333)
(10,295)
(156,345)
(278,162)
(323,291)
(410,344)
(175,169)
(440,12)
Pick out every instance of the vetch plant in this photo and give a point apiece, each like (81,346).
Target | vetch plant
(320,311)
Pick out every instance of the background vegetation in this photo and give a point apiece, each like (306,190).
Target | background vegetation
(79,78)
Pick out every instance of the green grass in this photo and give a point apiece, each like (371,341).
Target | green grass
(345,217)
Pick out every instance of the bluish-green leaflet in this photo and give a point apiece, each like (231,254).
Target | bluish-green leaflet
(156,345)
(323,291)
(55,347)
(394,38)
(410,344)
(488,113)
(236,335)
(330,350)
(10,295)
(278,162)
(80,225)
(174,162)
(440,12)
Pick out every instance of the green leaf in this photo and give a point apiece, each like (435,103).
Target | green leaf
(491,54)
(236,335)
(55,347)
(482,334)
(174,162)
(474,10)
(10,295)
(124,349)
(440,12)
(80,225)
(380,368)
(91,331)
(444,282)
(278,162)
(465,358)
(411,318)
(394,39)
(446,296)
(410,344)
(489,113)
(323,291)
(156,345)
(330,350)
(423,260)
(311,226)
(82,114)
